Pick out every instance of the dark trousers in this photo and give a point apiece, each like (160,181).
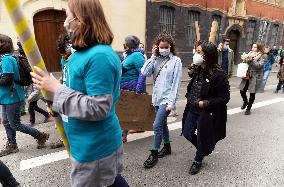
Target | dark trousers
(190,126)
(280,85)
(12,123)
(119,182)
(244,96)
(6,177)
(34,107)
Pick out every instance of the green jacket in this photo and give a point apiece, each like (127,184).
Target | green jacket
(230,61)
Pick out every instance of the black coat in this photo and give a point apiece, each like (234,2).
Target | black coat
(213,118)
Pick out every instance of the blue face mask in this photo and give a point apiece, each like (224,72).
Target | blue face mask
(226,47)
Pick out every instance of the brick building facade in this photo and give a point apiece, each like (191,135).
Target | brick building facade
(243,21)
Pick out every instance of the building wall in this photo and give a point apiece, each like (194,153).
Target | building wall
(232,20)
(30,8)
(124,16)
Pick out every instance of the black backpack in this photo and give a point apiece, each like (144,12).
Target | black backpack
(24,71)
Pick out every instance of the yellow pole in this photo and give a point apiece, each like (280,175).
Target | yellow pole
(30,47)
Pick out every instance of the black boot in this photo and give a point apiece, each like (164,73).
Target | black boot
(152,160)
(195,168)
(248,112)
(245,104)
(166,150)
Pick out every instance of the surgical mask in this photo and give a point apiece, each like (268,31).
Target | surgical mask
(226,47)
(67,24)
(197,59)
(164,52)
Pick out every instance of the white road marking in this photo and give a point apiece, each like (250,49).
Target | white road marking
(256,105)
(61,155)
(42,160)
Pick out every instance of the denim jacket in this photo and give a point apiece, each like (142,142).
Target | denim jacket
(165,88)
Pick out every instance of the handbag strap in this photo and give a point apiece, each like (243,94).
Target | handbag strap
(161,67)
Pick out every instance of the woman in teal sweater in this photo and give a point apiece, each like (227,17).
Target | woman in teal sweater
(86,100)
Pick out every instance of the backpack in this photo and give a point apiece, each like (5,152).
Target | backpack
(24,71)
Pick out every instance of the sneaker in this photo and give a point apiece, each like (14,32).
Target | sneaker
(57,144)
(195,168)
(47,118)
(42,140)
(166,150)
(276,91)
(9,149)
(152,160)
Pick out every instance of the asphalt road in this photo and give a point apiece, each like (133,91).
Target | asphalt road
(252,154)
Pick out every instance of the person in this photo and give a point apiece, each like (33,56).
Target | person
(208,93)
(166,69)
(142,49)
(253,82)
(226,57)
(21,54)
(131,66)
(11,99)
(33,106)
(6,177)
(280,76)
(131,78)
(268,66)
(64,48)
(86,101)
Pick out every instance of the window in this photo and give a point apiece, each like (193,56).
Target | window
(263,32)
(250,32)
(193,16)
(167,19)
(218,34)
(274,35)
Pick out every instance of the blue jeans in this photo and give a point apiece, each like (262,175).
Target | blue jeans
(190,126)
(160,126)
(11,115)
(6,177)
(265,77)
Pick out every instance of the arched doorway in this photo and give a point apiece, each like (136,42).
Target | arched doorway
(48,25)
(234,36)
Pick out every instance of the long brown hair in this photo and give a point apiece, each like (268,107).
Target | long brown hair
(166,37)
(93,28)
(260,47)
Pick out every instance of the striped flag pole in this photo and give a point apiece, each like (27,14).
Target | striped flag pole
(31,49)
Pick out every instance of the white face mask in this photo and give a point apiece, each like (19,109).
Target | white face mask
(67,24)
(197,59)
(164,52)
